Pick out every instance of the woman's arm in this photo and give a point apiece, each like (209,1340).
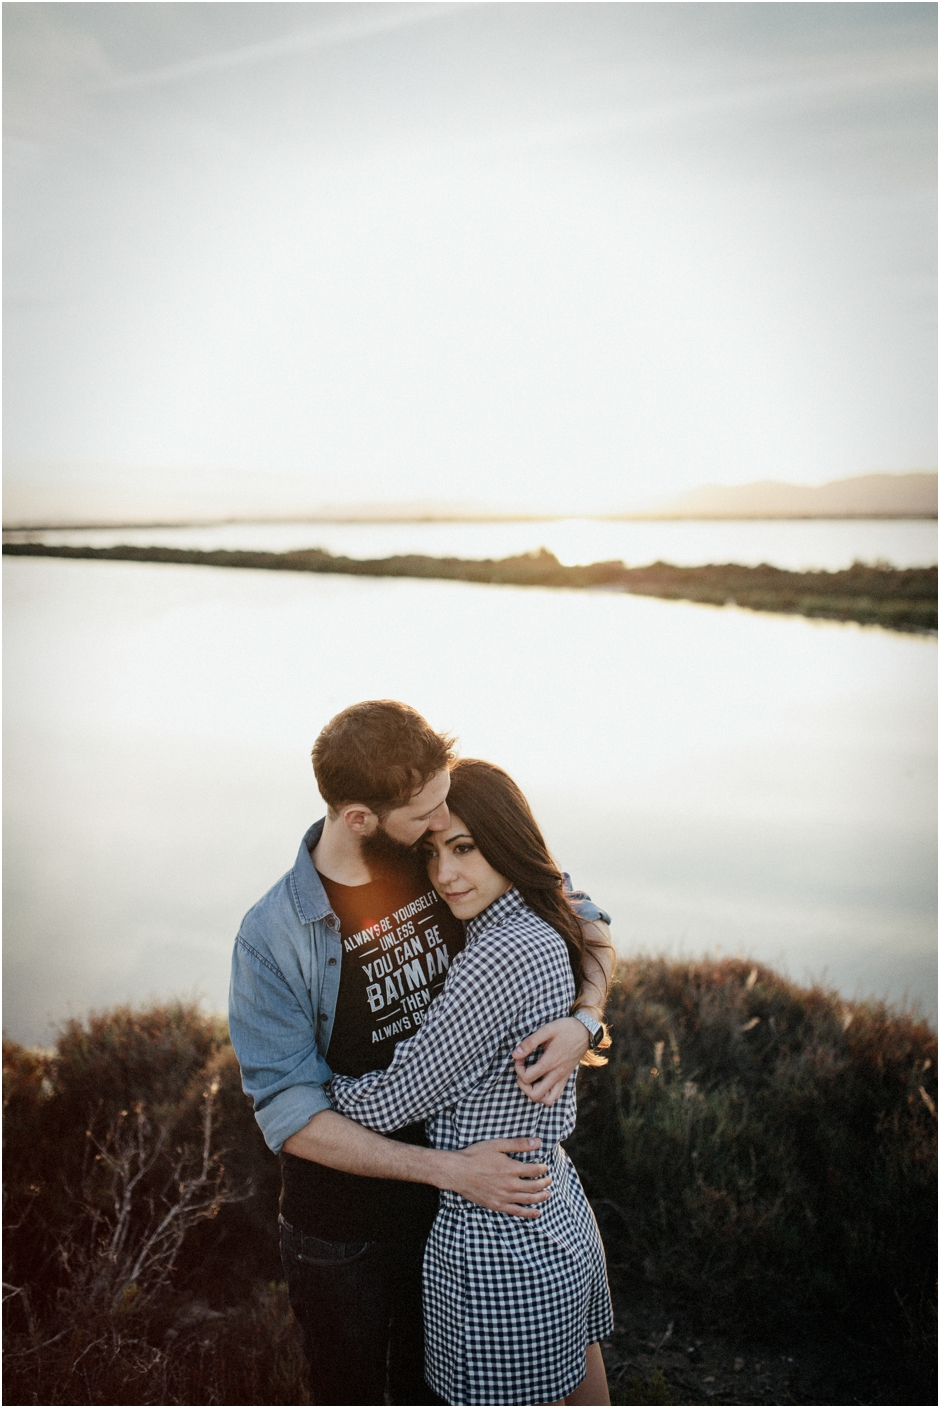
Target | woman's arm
(565,1042)
(598,963)
(488,986)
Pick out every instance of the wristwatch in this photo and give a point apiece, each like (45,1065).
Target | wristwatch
(595,1028)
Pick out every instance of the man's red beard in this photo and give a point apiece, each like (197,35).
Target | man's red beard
(381,851)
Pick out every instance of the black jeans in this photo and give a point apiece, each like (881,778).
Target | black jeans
(359,1308)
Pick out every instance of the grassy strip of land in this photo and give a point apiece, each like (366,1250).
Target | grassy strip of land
(761,1158)
(904,599)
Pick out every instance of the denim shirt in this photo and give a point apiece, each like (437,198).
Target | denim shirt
(282,998)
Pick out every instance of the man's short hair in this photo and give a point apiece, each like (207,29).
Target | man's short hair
(379,753)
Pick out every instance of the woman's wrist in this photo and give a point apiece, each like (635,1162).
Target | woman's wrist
(595,1027)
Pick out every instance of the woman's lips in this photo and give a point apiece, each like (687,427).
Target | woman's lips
(451,895)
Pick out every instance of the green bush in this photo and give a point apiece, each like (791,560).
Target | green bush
(766,1151)
(763,1153)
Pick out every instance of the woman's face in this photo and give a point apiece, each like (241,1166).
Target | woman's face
(459,874)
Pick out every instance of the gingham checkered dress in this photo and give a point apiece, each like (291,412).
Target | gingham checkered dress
(510,1303)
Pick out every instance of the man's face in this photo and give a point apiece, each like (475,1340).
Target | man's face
(426,811)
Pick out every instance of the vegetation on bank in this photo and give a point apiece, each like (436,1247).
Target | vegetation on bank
(900,598)
(764,1156)
(761,1158)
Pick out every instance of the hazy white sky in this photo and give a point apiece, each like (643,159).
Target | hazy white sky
(261,257)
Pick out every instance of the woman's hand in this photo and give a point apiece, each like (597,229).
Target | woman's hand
(565,1042)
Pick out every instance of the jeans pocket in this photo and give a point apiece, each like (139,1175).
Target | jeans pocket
(313,1251)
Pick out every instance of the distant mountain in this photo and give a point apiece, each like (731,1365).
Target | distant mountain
(868,496)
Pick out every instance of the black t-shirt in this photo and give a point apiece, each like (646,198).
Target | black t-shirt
(398,941)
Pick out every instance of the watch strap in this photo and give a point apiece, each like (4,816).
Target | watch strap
(595,1028)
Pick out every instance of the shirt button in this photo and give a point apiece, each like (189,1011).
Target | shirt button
(332,962)
(322,1016)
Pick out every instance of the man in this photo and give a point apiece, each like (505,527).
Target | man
(341,959)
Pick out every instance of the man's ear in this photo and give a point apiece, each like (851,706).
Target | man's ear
(359,819)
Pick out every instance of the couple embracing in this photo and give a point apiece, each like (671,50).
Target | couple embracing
(408,1006)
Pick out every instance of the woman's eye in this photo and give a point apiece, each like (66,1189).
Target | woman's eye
(464,848)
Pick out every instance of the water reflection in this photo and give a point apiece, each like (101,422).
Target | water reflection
(717,778)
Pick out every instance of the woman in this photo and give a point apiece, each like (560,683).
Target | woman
(514,1308)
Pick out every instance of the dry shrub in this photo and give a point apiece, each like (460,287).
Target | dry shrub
(248,1354)
(125,1145)
(142,1189)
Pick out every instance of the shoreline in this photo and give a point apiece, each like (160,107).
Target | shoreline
(136,524)
(901,599)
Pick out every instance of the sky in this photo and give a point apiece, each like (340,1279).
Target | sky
(263,258)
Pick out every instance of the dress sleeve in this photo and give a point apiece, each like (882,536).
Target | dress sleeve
(455,1046)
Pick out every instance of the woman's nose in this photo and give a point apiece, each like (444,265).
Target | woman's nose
(445,866)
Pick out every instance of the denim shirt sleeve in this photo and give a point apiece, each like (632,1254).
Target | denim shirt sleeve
(273,1032)
(583,905)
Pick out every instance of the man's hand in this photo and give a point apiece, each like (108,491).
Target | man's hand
(482,1173)
(486,1175)
(564,1042)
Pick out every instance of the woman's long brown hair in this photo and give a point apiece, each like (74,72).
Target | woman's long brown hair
(501,823)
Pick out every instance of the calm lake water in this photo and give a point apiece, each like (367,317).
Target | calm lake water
(720,780)
(800,546)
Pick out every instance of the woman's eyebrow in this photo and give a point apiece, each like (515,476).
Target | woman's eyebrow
(461,836)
